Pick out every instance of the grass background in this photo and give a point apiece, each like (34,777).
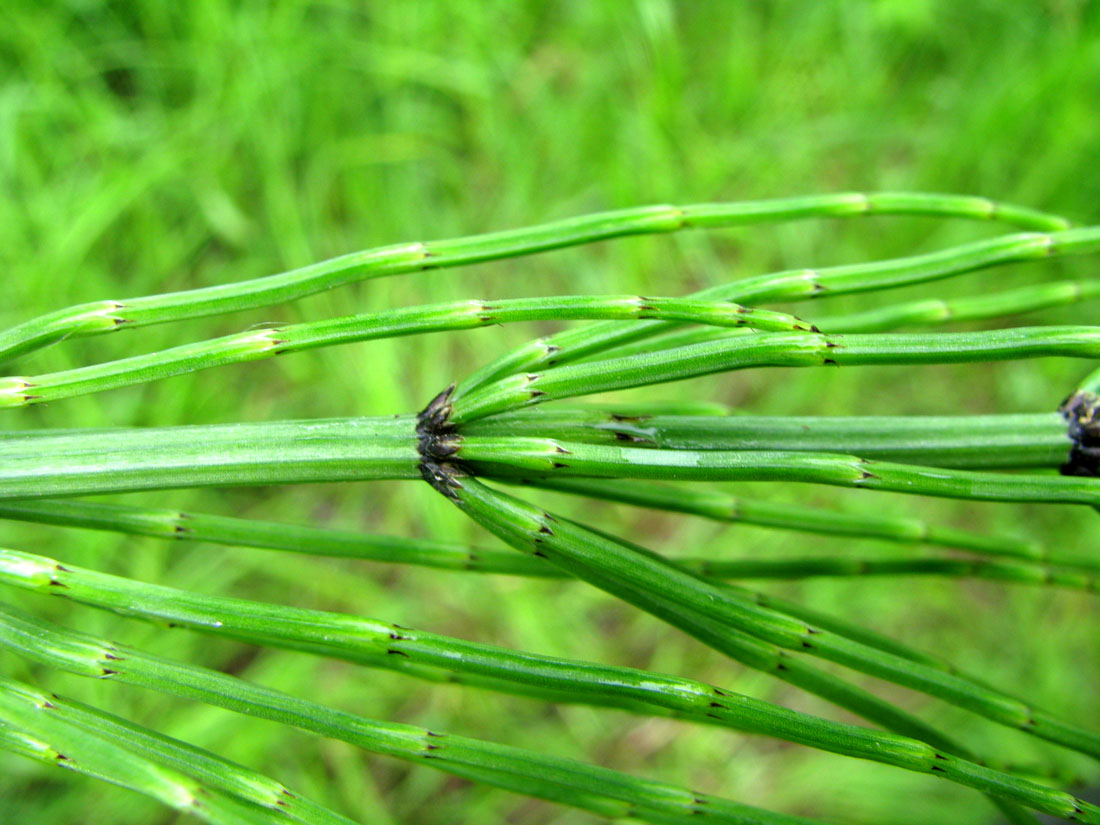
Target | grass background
(148,146)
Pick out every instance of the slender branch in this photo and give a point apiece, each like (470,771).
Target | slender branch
(530,457)
(723,507)
(930,312)
(194,526)
(190,526)
(211,771)
(901,565)
(174,525)
(368,641)
(792,285)
(32,730)
(253,345)
(975,441)
(853,278)
(746,649)
(629,570)
(109,316)
(1091,383)
(972,308)
(773,349)
(609,792)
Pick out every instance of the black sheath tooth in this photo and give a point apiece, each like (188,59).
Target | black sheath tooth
(1082,413)
(438,443)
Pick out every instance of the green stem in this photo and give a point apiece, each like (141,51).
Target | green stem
(930,312)
(190,526)
(370,642)
(174,525)
(194,526)
(524,771)
(19,391)
(976,441)
(75,462)
(901,565)
(584,552)
(68,463)
(793,285)
(530,457)
(210,770)
(1091,383)
(34,731)
(773,350)
(973,308)
(723,507)
(109,316)
(505,519)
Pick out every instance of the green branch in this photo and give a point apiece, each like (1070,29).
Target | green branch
(928,312)
(722,507)
(111,315)
(972,441)
(75,462)
(370,642)
(532,457)
(629,571)
(190,526)
(746,649)
(973,308)
(253,345)
(796,285)
(29,727)
(608,792)
(900,565)
(773,349)
(81,722)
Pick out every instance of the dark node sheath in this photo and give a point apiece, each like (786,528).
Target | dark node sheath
(437,442)
(1082,413)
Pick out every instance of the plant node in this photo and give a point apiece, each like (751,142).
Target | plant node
(1082,413)
(437,442)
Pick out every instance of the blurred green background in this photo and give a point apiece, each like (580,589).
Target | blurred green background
(153,146)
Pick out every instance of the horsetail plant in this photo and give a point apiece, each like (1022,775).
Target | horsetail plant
(493,427)
(83,739)
(111,315)
(374,643)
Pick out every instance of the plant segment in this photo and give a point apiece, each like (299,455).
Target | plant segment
(252,345)
(928,312)
(603,791)
(599,558)
(794,285)
(112,315)
(65,463)
(972,442)
(773,350)
(191,526)
(375,643)
(495,425)
(77,737)
(712,307)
